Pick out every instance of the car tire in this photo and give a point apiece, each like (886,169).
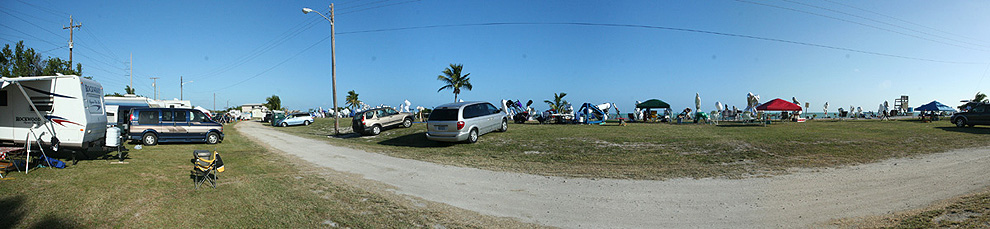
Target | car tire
(960,122)
(149,139)
(504,127)
(406,123)
(473,136)
(305,123)
(375,130)
(284,124)
(212,138)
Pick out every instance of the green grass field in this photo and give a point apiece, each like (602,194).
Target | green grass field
(258,189)
(663,151)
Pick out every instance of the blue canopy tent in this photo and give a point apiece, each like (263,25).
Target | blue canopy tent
(934,106)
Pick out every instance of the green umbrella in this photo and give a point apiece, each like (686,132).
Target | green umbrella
(653,103)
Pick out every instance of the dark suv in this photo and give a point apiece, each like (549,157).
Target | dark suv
(973,114)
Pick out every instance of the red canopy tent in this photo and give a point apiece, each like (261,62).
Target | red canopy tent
(779,105)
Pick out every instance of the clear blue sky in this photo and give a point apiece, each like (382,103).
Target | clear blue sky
(245,51)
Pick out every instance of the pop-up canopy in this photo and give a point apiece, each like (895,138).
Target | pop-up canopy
(934,106)
(778,105)
(653,103)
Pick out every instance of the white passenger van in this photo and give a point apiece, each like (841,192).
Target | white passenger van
(64,109)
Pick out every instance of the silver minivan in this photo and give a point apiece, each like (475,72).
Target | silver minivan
(465,121)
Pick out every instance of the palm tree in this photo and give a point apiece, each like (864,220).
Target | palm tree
(558,104)
(453,79)
(352,100)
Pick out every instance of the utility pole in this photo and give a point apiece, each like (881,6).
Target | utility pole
(214,101)
(333,73)
(71,27)
(181,83)
(154,83)
(131,69)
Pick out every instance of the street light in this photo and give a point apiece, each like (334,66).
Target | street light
(180,87)
(333,65)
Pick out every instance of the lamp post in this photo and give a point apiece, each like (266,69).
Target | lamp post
(180,87)
(333,65)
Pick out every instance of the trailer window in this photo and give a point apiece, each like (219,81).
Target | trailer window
(3,98)
(147,117)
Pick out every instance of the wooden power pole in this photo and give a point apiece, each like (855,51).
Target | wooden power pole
(71,27)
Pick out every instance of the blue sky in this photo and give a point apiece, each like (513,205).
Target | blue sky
(245,51)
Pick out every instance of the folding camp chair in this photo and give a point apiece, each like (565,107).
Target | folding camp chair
(206,166)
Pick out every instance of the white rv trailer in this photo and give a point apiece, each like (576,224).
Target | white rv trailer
(67,109)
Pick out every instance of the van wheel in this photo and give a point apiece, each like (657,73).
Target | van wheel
(283,124)
(212,138)
(473,136)
(149,139)
(505,126)
(305,123)
(375,130)
(406,123)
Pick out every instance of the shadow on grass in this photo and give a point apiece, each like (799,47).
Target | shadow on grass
(969,130)
(56,222)
(10,212)
(414,140)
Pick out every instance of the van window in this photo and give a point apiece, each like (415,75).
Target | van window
(491,108)
(198,116)
(443,114)
(369,115)
(166,116)
(476,110)
(180,116)
(148,117)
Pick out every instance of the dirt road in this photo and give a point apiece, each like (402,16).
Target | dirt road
(796,200)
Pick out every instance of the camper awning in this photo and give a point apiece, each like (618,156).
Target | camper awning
(653,103)
(778,105)
(5,81)
(934,106)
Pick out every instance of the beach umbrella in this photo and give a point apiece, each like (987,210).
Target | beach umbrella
(697,102)
(779,105)
(653,103)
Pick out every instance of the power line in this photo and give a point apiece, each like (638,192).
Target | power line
(661,28)
(268,46)
(881,22)
(46,9)
(28,34)
(32,23)
(859,23)
(362,5)
(273,67)
(386,5)
(902,20)
(33,16)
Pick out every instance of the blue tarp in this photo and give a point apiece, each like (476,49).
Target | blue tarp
(934,106)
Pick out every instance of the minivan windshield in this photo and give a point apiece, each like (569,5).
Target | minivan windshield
(443,114)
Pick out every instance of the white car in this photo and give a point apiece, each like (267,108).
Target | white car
(295,119)
(465,121)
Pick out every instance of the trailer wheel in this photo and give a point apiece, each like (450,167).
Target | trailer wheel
(149,139)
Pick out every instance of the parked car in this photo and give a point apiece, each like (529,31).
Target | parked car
(465,121)
(294,119)
(153,125)
(974,114)
(271,116)
(371,122)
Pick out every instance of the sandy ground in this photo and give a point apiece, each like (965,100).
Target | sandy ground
(801,199)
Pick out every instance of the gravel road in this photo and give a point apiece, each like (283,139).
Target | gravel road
(801,199)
